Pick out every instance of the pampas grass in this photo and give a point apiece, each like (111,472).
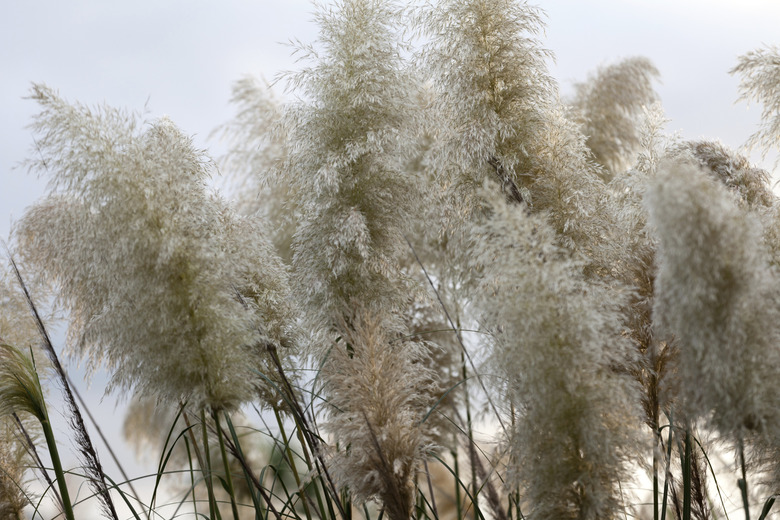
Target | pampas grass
(442,293)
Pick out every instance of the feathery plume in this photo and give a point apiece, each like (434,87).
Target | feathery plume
(13,467)
(568,188)
(610,105)
(491,83)
(343,162)
(346,159)
(381,393)
(559,348)
(256,139)
(715,294)
(150,265)
(733,170)
(759,72)
(258,148)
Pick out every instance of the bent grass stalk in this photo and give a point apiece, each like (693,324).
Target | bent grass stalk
(235,449)
(715,479)
(191,473)
(239,455)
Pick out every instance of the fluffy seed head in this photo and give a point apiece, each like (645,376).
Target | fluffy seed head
(759,72)
(610,105)
(492,84)
(560,350)
(379,394)
(164,283)
(715,294)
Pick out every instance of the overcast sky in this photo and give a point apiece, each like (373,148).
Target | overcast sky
(183,56)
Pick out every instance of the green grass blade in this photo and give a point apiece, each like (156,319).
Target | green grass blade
(767,507)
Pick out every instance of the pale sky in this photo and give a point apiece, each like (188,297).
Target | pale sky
(183,56)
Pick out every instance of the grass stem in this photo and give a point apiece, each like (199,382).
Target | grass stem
(51,443)
(226,464)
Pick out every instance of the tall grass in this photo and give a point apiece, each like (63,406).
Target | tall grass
(222,469)
(443,294)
